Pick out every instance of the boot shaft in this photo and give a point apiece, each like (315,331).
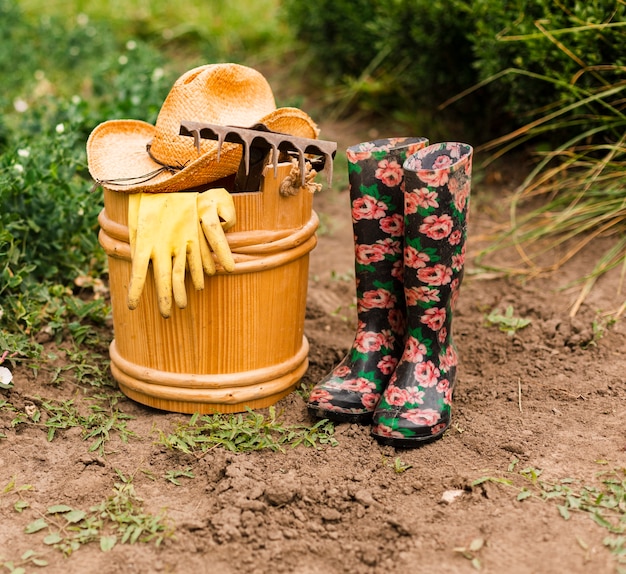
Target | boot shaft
(437,187)
(377,207)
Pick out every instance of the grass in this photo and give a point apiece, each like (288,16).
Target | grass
(507,322)
(119,519)
(103,420)
(577,189)
(603,502)
(244,433)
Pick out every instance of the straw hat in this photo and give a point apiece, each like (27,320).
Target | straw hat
(134,156)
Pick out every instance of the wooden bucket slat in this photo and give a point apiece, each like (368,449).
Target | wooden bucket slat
(240,341)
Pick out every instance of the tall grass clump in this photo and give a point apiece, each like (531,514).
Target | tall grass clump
(577,189)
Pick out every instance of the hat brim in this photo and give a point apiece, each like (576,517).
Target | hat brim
(118,159)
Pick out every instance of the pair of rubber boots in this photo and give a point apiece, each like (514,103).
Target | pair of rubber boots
(409,212)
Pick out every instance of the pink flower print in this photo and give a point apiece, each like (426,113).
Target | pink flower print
(443,385)
(397,270)
(364,152)
(384,430)
(436,226)
(434,318)
(387,364)
(442,335)
(370,400)
(377,299)
(437,275)
(366,254)
(444,161)
(368,341)
(358,385)
(448,359)
(438,428)
(414,395)
(422,197)
(389,172)
(414,351)
(388,339)
(435,178)
(458,261)
(460,190)
(427,374)
(454,299)
(455,238)
(395,396)
(447,397)
(368,207)
(454,148)
(422,417)
(414,258)
(393,225)
(342,371)
(393,379)
(320,395)
(413,162)
(397,321)
(391,246)
(416,295)
(414,148)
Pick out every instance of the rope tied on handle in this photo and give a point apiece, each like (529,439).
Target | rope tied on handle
(293,182)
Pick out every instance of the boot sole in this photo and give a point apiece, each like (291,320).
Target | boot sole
(361,418)
(405,443)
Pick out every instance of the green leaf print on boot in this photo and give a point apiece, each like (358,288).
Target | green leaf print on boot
(415,406)
(352,390)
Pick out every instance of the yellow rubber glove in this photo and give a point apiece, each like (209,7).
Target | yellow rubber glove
(164,229)
(217,214)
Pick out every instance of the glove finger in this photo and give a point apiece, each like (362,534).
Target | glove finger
(133,219)
(194,260)
(139,270)
(217,240)
(225,207)
(162,267)
(208,262)
(228,215)
(178,280)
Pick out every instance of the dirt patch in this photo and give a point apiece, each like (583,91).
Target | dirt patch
(550,398)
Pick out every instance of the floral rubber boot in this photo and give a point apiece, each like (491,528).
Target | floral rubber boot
(352,390)
(415,406)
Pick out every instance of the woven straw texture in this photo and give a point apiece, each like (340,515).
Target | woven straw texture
(130,155)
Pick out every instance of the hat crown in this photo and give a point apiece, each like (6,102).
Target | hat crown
(225,94)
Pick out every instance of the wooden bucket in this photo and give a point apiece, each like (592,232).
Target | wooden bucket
(240,342)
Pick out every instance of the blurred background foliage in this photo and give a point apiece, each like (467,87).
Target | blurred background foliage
(544,76)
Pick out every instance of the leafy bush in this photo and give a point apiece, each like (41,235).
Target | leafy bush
(542,40)
(393,55)
(48,215)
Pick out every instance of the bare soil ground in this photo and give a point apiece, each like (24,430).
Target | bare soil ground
(551,398)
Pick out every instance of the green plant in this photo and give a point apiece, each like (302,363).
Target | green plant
(118,519)
(173,475)
(506,322)
(470,552)
(518,42)
(378,55)
(399,466)
(243,433)
(26,559)
(565,60)
(104,419)
(603,502)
